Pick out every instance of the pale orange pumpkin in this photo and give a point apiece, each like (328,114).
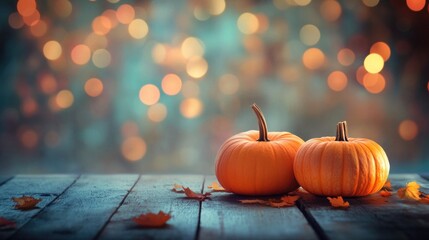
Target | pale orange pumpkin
(341,166)
(258,163)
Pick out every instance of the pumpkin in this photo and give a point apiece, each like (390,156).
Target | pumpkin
(258,162)
(341,166)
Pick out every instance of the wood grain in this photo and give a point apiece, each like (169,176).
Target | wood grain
(4,179)
(224,217)
(81,211)
(153,193)
(46,187)
(374,216)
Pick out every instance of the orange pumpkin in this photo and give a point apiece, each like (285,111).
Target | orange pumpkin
(341,166)
(258,163)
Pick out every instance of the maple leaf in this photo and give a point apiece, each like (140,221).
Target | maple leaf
(338,202)
(26,202)
(385,193)
(410,191)
(216,187)
(199,196)
(152,220)
(177,188)
(387,186)
(6,224)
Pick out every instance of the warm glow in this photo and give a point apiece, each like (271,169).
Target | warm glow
(370,3)
(360,73)
(190,89)
(138,29)
(64,99)
(157,112)
(47,84)
(373,63)
(101,58)
(149,94)
(192,47)
(29,138)
(337,81)
(382,49)
(101,25)
(228,84)
(26,7)
(133,148)
(201,14)
(408,130)
(216,7)
(93,87)
(129,129)
(62,8)
(330,10)
(346,57)
(125,14)
(32,19)
(52,50)
(374,83)
(15,20)
(29,107)
(159,52)
(171,84)
(81,54)
(248,23)
(95,41)
(39,29)
(197,67)
(302,3)
(416,5)
(111,15)
(309,34)
(191,107)
(313,58)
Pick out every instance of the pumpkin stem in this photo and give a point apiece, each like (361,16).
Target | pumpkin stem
(342,132)
(263,132)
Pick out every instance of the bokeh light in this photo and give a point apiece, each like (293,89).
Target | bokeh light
(29,138)
(346,57)
(337,81)
(313,58)
(171,84)
(138,29)
(26,7)
(149,94)
(416,5)
(52,50)
(64,99)
(216,7)
(373,63)
(192,47)
(197,67)
(370,3)
(133,148)
(248,23)
(228,84)
(374,83)
(101,58)
(382,49)
(309,34)
(125,13)
(47,84)
(80,54)
(157,112)
(408,130)
(15,20)
(93,87)
(330,10)
(191,107)
(39,29)
(101,25)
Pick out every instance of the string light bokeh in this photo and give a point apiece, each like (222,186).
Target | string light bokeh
(157,86)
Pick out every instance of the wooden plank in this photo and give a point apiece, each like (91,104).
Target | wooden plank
(425,176)
(4,179)
(153,194)
(224,217)
(47,188)
(81,211)
(374,216)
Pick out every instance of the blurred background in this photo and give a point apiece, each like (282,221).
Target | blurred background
(110,86)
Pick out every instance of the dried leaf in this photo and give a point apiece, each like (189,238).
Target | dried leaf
(152,220)
(26,202)
(191,194)
(387,186)
(338,202)
(285,201)
(411,191)
(6,224)
(385,193)
(177,188)
(424,198)
(290,199)
(254,201)
(216,187)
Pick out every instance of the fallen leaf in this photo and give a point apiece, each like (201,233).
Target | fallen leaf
(152,220)
(424,198)
(285,201)
(338,202)
(199,196)
(387,186)
(216,187)
(177,188)
(411,191)
(385,193)
(6,224)
(26,202)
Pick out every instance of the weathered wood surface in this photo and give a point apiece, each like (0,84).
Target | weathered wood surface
(82,211)
(101,207)
(47,187)
(371,217)
(4,179)
(153,193)
(224,217)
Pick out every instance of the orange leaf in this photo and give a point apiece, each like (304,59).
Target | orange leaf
(152,220)
(411,191)
(191,194)
(424,197)
(285,201)
(6,224)
(254,201)
(338,202)
(385,193)
(216,187)
(26,202)
(387,186)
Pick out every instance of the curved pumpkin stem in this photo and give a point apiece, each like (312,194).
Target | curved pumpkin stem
(263,131)
(342,132)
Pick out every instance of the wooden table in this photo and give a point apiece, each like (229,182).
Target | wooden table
(101,206)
